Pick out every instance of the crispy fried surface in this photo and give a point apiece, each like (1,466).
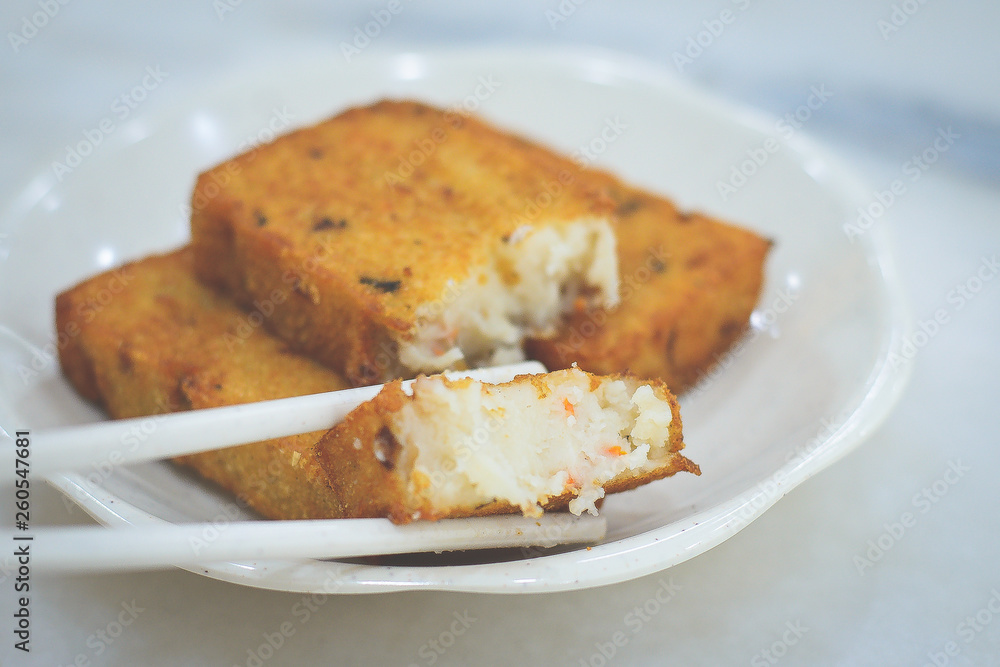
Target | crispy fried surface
(354,223)
(345,234)
(164,342)
(689,284)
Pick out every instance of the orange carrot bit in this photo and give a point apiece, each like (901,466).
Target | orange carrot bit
(570,410)
(614,450)
(445,343)
(579,304)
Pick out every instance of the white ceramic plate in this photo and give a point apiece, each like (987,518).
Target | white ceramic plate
(810,384)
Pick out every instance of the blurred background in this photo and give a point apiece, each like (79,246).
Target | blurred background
(898,69)
(783,591)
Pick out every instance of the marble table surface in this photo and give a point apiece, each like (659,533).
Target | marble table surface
(785,590)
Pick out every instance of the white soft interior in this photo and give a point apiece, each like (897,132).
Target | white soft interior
(534,277)
(469,445)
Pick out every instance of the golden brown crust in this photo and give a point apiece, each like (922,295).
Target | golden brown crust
(363,485)
(164,342)
(689,284)
(361,219)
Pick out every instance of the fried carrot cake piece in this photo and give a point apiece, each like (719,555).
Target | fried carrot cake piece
(465,448)
(689,283)
(164,342)
(399,238)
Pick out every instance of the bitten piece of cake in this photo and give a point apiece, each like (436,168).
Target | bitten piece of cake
(457,448)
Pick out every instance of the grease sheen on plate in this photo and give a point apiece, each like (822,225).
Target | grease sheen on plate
(810,382)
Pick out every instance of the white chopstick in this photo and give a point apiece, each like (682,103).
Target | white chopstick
(124,441)
(79,549)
